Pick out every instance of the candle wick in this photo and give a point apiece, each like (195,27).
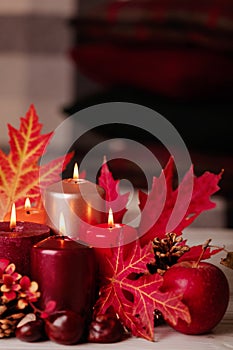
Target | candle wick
(28,211)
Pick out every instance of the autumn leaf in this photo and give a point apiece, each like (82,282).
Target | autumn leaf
(157,206)
(114,200)
(20,172)
(228,260)
(135,299)
(195,252)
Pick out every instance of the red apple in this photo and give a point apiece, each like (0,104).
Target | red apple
(205,291)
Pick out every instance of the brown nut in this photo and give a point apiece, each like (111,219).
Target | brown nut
(106,329)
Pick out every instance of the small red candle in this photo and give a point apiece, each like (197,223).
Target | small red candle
(17,239)
(65,271)
(29,213)
(107,236)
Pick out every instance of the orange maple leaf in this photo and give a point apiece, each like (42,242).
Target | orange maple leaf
(19,170)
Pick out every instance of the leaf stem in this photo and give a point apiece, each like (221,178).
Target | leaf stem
(204,247)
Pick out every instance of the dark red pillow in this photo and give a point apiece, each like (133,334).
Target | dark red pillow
(177,48)
(205,23)
(172,73)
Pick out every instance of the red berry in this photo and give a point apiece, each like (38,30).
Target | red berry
(65,327)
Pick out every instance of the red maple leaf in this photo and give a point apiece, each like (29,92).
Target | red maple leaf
(20,172)
(114,200)
(135,300)
(196,251)
(157,207)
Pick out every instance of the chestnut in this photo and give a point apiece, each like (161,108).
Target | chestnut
(31,331)
(65,327)
(106,329)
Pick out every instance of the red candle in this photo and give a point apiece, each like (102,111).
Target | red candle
(108,236)
(65,271)
(17,240)
(29,214)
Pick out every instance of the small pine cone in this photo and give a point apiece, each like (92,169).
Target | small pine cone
(3,308)
(8,325)
(167,252)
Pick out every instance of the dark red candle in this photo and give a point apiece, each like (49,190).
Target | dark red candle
(65,272)
(16,244)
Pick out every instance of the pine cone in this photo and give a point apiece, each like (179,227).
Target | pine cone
(167,252)
(8,325)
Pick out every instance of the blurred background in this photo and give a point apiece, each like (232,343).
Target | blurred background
(172,56)
(34,66)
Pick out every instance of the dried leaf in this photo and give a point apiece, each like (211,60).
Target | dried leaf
(157,206)
(228,261)
(114,199)
(135,299)
(19,172)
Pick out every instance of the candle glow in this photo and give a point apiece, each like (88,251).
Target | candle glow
(13,217)
(110,218)
(27,204)
(76,172)
(62,225)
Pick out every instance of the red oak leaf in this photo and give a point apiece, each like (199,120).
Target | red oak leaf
(167,209)
(135,300)
(19,172)
(114,199)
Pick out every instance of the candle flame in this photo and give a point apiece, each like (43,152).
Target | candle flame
(110,218)
(89,212)
(75,173)
(27,204)
(62,225)
(13,217)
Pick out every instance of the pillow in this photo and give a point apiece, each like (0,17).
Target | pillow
(187,73)
(160,22)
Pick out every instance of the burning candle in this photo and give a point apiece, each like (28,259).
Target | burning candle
(81,201)
(29,213)
(65,272)
(17,239)
(104,237)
